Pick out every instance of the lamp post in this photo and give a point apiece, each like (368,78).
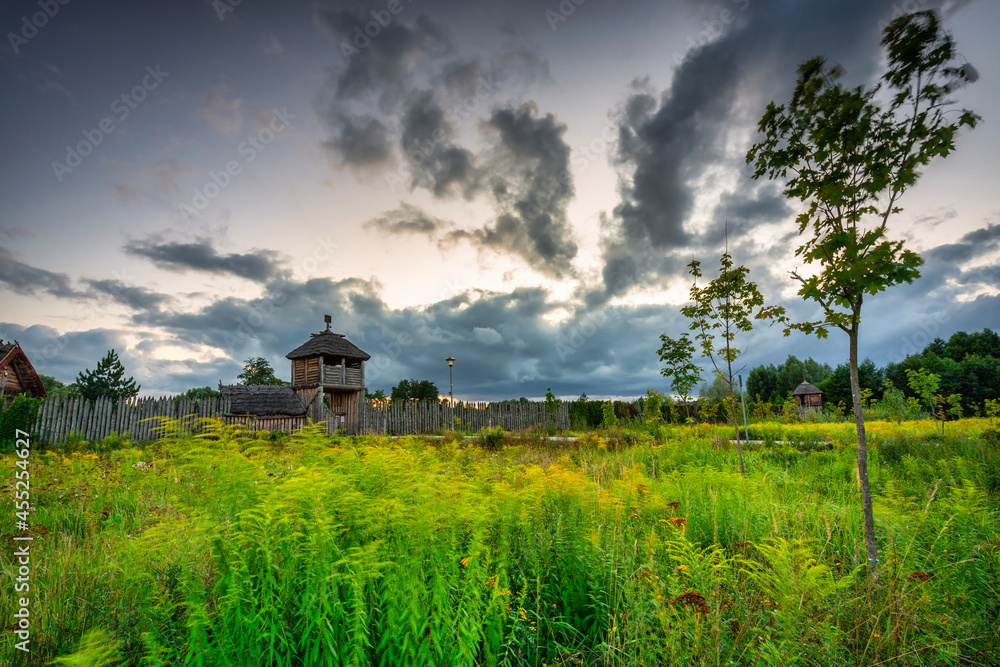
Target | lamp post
(451,391)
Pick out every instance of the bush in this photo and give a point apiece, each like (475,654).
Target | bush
(20,415)
(491,439)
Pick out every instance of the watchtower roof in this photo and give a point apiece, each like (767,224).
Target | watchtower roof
(328,343)
(806,389)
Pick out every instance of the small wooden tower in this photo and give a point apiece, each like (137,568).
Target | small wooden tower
(328,363)
(808,397)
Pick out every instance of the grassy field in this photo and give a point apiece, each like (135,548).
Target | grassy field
(634,547)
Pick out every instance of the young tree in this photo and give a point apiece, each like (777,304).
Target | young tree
(676,355)
(850,157)
(257,370)
(652,404)
(925,385)
(107,380)
(725,308)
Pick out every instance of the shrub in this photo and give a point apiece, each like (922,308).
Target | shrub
(491,439)
(20,415)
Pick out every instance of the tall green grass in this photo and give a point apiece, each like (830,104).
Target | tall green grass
(627,548)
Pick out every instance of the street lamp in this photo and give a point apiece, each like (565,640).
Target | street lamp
(451,391)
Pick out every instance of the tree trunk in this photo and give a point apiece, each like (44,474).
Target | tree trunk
(866,493)
(732,411)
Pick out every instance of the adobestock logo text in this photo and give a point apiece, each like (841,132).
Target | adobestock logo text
(37,21)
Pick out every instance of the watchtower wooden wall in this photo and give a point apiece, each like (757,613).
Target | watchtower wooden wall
(306,371)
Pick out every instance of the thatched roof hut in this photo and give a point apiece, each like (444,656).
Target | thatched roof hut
(262,400)
(808,396)
(17,375)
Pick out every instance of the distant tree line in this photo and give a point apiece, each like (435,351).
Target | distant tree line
(774,384)
(966,364)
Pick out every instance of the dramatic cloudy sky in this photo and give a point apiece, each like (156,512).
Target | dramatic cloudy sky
(518,184)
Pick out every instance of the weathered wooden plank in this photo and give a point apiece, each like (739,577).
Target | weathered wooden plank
(58,430)
(99,407)
(109,415)
(68,421)
(40,421)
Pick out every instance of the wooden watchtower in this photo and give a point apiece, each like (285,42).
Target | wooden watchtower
(808,397)
(328,363)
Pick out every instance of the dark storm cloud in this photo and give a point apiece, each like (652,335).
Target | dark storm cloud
(396,99)
(460,77)
(64,355)
(259,265)
(388,82)
(359,141)
(407,219)
(505,345)
(22,278)
(667,144)
(975,244)
(137,298)
(376,78)
(752,205)
(985,238)
(437,164)
(380,66)
(531,184)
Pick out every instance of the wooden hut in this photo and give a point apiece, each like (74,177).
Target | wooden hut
(264,406)
(330,364)
(808,397)
(17,375)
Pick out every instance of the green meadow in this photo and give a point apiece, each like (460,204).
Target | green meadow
(634,546)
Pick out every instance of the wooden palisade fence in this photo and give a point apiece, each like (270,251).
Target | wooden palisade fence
(400,418)
(61,419)
(76,417)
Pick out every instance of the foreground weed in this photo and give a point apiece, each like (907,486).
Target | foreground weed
(224,548)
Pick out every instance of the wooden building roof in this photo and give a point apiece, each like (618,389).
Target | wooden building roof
(327,342)
(21,374)
(262,399)
(806,389)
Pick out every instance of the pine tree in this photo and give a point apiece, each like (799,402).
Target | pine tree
(107,380)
